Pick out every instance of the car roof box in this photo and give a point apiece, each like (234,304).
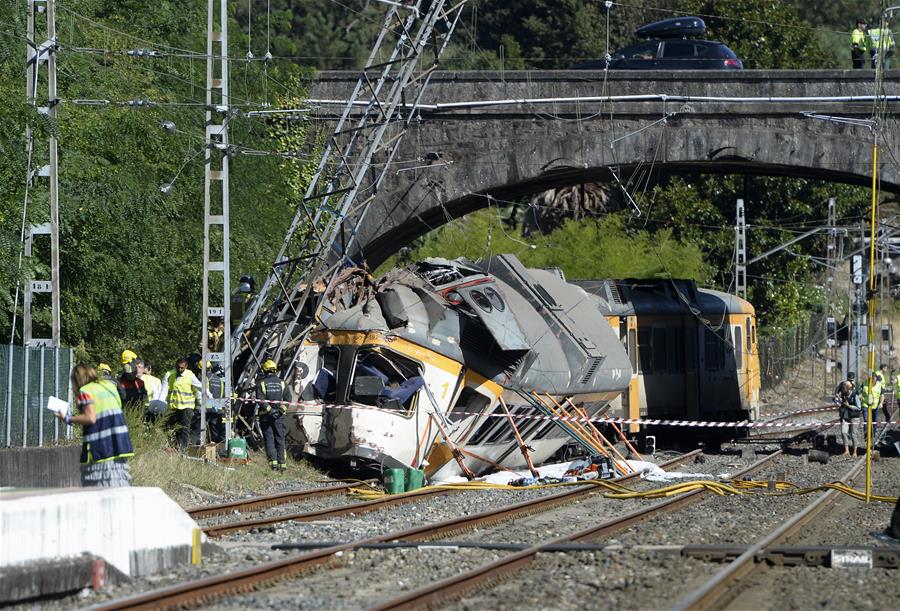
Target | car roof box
(676,27)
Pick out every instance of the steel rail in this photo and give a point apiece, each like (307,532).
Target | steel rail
(713,591)
(247,580)
(271,500)
(457,585)
(217,530)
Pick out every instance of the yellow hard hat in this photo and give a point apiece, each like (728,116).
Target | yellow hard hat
(128,356)
(270,365)
(104,367)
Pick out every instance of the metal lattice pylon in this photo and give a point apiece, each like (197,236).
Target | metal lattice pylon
(740,251)
(43,54)
(216,209)
(325,226)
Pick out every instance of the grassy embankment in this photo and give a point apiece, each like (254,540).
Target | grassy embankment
(156,464)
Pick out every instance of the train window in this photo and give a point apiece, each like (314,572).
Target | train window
(676,350)
(495,298)
(325,384)
(505,433)
(481,300)
(469,402)
(660,355)
(749,343)
(385,379)
(713,350)
(545,431)
(644,338)
(486,427)
(738,348)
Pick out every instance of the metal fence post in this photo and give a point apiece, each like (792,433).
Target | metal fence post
(9,381)
(56,392)
(69,390)
(40,409)
(25,401)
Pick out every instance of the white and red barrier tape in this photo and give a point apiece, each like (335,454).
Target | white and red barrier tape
(641,421)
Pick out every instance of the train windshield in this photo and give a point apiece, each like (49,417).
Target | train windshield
(385,379)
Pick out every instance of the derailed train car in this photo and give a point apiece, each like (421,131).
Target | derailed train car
(435,350)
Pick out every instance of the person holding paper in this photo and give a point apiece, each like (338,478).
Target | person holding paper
(106,444)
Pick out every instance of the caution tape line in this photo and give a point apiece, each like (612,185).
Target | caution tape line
(576,419)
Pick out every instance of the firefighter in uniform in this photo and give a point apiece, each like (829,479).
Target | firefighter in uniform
(215,413)
(271,415)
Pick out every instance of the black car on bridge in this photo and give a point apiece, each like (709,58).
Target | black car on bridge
(668,48)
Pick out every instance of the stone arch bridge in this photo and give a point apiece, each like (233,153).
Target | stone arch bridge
(509,134)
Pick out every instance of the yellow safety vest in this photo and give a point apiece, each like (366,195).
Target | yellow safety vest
(871,394)
(152,384)
(858,38)
(181,391)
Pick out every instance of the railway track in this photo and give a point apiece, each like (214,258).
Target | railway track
(466,582)
(246,580)
(723,586)
(272,500)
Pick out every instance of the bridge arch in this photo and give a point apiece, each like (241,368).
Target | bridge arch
(554,131)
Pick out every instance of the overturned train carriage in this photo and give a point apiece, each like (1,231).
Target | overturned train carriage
(441,349)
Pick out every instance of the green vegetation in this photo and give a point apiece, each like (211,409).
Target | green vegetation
(584,250)
(131,258)
(156,464)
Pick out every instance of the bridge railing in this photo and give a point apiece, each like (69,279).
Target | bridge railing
(28,378)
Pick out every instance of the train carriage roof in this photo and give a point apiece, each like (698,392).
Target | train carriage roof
(631,297)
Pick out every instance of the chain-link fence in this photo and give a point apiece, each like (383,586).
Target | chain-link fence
(781,351)
(28,378)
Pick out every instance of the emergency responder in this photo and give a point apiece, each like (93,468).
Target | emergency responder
(848,413)
(885,46)
(859,44)
(131,387)
(156,403)
(181,388)
(105,442)
(869,397)
(270,389)
(241,299)
(104,371)
(215,407)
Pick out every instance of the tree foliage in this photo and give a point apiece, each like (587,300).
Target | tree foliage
(131,259)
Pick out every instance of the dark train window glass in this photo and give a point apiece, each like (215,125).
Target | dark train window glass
(481,301)
(496,299)
(676,350)
(660,355)
(468,402)
(713,350)
(505,433)
(631,349)
(690,349)
(544,431)
(738,348)
(749,343)
(529,425)
(486,427)
(644,337)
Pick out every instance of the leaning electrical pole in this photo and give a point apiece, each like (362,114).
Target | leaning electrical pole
(216,232)
(37,55)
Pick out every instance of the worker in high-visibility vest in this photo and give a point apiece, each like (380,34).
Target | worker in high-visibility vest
(870,397)
(182,389)
(859,44)
(881,45)
(105,442)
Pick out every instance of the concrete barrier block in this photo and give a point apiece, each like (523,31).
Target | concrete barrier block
(53,467)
